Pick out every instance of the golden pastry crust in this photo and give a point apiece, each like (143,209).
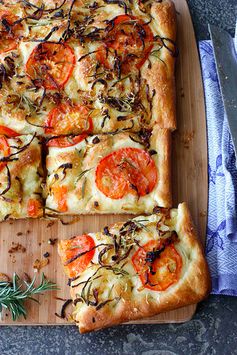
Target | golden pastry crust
(137,98)
(129,299)
(82,195)
(160,76)
(21,179)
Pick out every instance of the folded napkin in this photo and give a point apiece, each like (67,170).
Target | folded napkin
(221,242)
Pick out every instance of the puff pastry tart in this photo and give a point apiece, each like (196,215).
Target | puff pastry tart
(20,177)
(135,269)
(113,173)
(75,66)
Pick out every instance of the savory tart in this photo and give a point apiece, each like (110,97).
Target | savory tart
(136,269)
(20,177)
(112,173)
(80,66)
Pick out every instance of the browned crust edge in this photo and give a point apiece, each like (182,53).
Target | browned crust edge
(161,140)
(160,77)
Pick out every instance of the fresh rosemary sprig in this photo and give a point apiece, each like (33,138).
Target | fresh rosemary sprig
(14,294)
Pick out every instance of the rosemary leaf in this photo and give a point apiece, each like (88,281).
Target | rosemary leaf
(83,173)
(14,294)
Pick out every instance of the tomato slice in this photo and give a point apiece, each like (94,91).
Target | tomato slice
(51,65)
(9,33)
(8,132)
(163,272)
(74,247)
(127,170)
(34,208)
(130,39)
(63,142)
(4,150)
(69,119)
(60,195)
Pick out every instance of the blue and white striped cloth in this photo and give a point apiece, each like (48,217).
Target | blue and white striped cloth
(221,242)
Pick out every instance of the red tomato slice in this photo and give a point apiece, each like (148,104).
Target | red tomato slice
(34,208)
(4,150)
(127,170)
(131,39)
(51,65)
(60,195)
(67,119)
(8,37)
(64,142)
(163,272)
(8,132)
(102,56)
(71,248)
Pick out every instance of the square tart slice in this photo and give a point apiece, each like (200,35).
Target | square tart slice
(113,173)
(20,177)
(82,66)
(140,268)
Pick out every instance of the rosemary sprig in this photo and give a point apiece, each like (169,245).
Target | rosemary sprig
(83,173)
(14,294)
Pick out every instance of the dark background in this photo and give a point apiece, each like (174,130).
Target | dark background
(213,330)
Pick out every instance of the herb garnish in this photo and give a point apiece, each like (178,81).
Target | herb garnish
(14,294)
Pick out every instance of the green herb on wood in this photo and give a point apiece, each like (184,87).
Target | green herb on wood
(14,294)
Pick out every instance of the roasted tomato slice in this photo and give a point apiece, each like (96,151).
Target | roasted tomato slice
(130,39)
(77,253)
(50,65)
(69,119)
(34,208)
(127,170)
(4,150)
(64,142)
(9,31)
(60,195)
(8,132)
(163,272)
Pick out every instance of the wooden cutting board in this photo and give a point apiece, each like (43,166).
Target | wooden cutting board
(189,184)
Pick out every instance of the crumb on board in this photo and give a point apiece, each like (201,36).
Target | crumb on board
(4,277)
(16,248)
(19,234)
(186,138)
(39,264)
(13,259)
(203,213)
(50,224)
(46,255)
(52,241)
(72,221)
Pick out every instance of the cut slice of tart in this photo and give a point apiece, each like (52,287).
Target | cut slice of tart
(113,173)
(73,66)
(147,265)
(20,177)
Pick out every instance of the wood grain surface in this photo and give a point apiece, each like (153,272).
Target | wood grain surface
(189,177)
